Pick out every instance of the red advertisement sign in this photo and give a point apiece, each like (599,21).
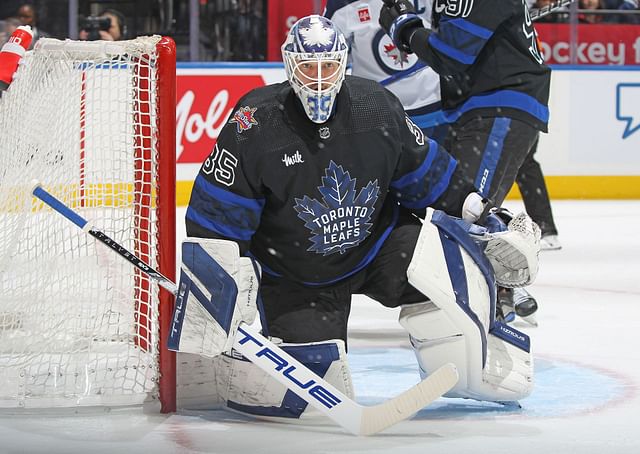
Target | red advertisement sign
(282,14)
(598,44)
(204,105)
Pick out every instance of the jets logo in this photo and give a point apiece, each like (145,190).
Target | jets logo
(391,59)
(342,220)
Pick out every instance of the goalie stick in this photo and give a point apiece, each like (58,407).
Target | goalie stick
(552,7)
(356,418)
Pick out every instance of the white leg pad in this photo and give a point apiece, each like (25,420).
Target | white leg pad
(243,387)
(508,373)
(494,361)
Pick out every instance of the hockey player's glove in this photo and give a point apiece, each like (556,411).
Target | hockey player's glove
(474,207)
(398,18)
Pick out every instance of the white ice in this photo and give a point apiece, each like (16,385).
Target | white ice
(587,357)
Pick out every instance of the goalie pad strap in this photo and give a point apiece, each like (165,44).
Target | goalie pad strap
(512,336)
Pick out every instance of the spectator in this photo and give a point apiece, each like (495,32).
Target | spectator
(622,5)
(8,8)
(114,32)
(26,14)
(589,18)
(7,27)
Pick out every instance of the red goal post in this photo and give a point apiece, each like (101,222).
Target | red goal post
(94,122)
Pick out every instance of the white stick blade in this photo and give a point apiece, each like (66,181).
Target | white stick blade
(408,403)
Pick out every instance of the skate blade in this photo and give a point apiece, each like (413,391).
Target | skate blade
(530,319)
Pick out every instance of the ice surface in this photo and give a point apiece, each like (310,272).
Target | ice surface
(587,351)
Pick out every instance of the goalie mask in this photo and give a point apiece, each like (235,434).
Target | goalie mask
(315,59)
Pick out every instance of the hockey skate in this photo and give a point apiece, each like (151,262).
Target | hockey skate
(550,243)
(514,302)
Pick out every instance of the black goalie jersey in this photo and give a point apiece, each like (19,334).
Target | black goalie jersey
(314,202)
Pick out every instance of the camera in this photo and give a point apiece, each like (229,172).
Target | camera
(93,24)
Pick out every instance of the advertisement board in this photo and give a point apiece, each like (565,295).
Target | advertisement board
(597,44)
(206,96)
(281,15)
(592,149)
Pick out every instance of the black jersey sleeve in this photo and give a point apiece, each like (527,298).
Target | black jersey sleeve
(226,200)
(332,6)
(423,170)
(464,27)
(426,175)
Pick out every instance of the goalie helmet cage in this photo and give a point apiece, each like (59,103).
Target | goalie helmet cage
(94,123)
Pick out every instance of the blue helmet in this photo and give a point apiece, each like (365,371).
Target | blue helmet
(315,58)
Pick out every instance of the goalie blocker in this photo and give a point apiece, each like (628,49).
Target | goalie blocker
(494,360)
(217,291)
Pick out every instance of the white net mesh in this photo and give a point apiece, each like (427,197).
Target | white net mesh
(78,325)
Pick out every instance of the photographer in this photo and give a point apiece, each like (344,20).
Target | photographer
(110,26)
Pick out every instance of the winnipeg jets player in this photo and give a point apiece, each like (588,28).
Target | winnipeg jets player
(315,179)
(374,55)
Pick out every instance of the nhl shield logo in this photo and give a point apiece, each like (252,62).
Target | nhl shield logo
(244,119)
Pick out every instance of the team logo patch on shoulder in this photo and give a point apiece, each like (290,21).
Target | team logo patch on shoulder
(244,118)
(343,219)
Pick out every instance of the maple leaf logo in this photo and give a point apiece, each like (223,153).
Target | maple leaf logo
(399,58)
(342,221)
(317,34)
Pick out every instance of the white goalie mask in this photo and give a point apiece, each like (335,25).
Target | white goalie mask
(315,60)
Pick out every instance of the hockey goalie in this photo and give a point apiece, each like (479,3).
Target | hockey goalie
(318,188)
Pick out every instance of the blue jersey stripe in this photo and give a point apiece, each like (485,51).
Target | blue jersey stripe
(418,175)
(450,51)
(225,230)
(502,98)
(491,155)
(460,39)
(436,190)
(423,186)
(226,196)
(429,120)
(222,212)
(470,27)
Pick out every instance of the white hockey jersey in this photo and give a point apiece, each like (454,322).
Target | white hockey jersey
(374,56)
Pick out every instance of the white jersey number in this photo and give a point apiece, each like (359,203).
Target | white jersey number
(223,166)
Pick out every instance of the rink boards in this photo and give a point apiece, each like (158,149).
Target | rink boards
(590,152)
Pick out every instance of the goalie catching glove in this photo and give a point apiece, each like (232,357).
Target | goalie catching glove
(512,249)
(217,291)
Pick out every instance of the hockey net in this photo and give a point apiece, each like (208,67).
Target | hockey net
(94,122)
